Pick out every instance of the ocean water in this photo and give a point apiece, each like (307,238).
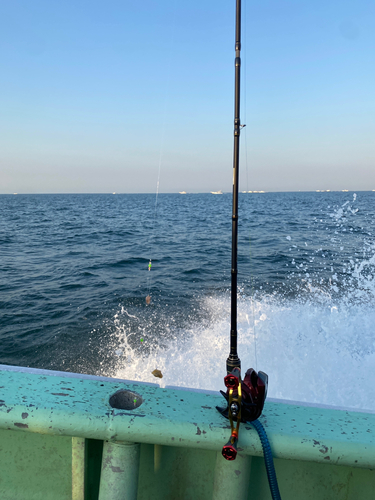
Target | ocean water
(74,278)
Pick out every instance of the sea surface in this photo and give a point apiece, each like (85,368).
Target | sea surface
(74,279)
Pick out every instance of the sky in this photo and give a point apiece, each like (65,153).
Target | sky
(124,96)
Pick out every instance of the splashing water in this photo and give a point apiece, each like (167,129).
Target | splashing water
(317,346)
(311,352)
(74,268)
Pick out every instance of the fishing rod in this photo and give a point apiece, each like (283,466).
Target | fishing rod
(245,398)
(233,360)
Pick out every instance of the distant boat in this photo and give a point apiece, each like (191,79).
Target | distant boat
(182,192)
(216,192)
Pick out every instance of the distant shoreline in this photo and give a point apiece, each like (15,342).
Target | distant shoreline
(196,192)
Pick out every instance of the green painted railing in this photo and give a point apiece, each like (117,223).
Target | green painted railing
(60,438)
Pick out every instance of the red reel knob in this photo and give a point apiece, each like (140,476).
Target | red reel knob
(229,452)
(233,379)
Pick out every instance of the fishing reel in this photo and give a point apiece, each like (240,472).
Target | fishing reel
(245,400)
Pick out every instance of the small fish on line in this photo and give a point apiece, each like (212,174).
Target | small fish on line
(148,299)
(157,373)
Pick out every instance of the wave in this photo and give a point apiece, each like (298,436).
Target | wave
(317,353)
(310,328)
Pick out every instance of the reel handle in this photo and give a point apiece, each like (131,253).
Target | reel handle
(229,450)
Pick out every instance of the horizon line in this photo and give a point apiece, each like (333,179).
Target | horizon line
(194,192)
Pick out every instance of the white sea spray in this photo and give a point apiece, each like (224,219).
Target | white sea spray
(317,345)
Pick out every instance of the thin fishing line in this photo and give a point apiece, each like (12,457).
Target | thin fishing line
(252,300)
(252,295)
(245,92)
(152,233)
(161,156)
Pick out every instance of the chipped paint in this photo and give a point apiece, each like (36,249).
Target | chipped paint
(120,470)
(176,417)
(116,469)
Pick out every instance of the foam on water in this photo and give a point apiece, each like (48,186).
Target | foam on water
(317,345)
(311,352)
(75,277)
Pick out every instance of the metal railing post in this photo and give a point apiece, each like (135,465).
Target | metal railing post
(120,470)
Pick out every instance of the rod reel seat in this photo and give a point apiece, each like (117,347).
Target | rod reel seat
(245,400)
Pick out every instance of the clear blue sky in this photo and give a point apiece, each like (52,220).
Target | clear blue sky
(93,95)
